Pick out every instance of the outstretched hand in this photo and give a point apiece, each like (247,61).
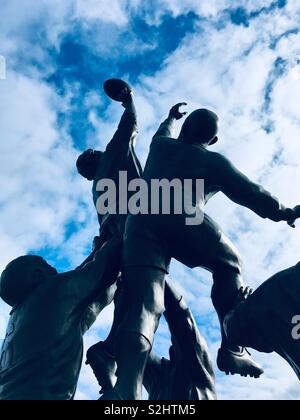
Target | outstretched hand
(243,294)
(175,111)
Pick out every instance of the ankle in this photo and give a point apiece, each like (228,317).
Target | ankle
(129,395)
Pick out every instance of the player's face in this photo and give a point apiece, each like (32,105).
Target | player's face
(89,167)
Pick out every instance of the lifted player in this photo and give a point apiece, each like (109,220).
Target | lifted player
(152,240)
(96,166)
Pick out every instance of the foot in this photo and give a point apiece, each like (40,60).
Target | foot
(104,366)
(111,395)
(238,363)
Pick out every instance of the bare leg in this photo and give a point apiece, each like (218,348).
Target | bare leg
(144,292)
(231,359)
(227,284)
(191,352)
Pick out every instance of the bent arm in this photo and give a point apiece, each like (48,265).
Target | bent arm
(240,189)
(166,129)
(95,281)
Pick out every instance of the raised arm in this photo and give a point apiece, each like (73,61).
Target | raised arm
(97,279)
(244,192)
(166,129)
(127,129)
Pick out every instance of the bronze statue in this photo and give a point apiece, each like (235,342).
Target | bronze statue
(267,319)
(152,240)
(42,353)
(101,356)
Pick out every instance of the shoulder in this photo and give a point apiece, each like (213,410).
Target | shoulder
(163,140)
(221,162)
(63,279)
(217,160)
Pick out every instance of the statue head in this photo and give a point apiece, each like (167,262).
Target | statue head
(200,127)
(22,276)
(88,162)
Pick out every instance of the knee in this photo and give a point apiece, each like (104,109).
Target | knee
(155,304)
(145,289)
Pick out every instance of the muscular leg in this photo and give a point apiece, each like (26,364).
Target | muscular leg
(227,283)
(205,246)
(191,352)
(231,358)
(144,292)
(101,357)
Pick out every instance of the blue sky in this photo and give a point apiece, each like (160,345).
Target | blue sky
(240,58)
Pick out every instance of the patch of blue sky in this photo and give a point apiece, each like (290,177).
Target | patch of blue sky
(165,38)
(272,254)
(55,255)
(274,43)
(240,16)
(280,67)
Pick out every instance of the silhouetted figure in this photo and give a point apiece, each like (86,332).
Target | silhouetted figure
(152,240)
(96,166)
(188,375)
(265,320)
(42,353)
(119,156)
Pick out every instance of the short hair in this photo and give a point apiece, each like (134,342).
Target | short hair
(18,280)
(201,125)
(87,163)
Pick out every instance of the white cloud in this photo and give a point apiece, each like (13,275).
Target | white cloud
(113,11)
(37,168)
